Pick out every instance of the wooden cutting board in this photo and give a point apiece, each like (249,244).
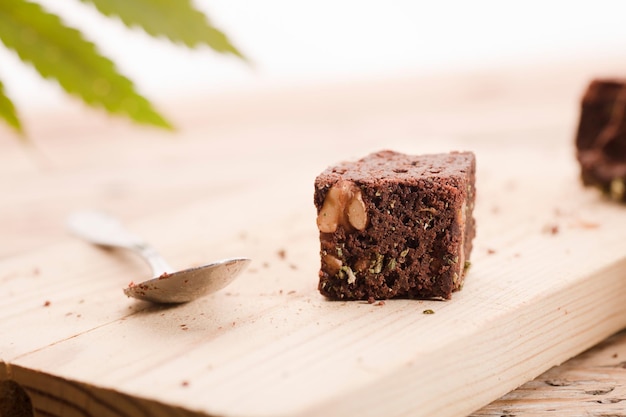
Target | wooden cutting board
(547,278)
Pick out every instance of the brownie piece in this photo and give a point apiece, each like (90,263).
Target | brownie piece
(601,137)
(395,225)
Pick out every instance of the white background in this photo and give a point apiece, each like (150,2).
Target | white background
(293,42)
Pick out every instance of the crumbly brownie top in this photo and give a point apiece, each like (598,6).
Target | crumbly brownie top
(389,165)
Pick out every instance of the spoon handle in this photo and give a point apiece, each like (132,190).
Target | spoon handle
(105,230)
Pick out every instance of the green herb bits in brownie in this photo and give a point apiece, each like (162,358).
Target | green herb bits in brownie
(396,226)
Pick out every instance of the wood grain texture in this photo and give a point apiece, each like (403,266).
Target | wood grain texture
(547,280)
(591,384)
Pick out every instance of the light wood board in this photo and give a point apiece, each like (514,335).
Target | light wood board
(547,280)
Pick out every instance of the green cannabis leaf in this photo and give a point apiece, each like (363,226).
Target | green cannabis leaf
(7,111)
(60,52)
(175,19)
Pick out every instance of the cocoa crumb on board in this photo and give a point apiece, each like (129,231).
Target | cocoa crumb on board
(551,229)
(184,383)
(291,292)
(282,253)
(47,303)
(491,251)
(293,266)
(380,303)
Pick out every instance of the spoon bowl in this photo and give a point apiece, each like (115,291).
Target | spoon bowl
(188,284)
(168,285)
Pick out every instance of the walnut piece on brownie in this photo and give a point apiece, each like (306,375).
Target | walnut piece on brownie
(601,137)
(396,226)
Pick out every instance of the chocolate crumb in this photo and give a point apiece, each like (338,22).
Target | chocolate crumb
(552,229)
(490,251)
(291,292)
(47,303)
(282,253)
(380,303)
(184,383)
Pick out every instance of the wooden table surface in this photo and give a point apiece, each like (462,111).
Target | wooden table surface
(222,178)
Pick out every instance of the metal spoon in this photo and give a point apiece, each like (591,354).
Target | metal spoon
(168,286)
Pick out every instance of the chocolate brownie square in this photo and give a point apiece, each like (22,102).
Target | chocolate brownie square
(396,226)
(601,137)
